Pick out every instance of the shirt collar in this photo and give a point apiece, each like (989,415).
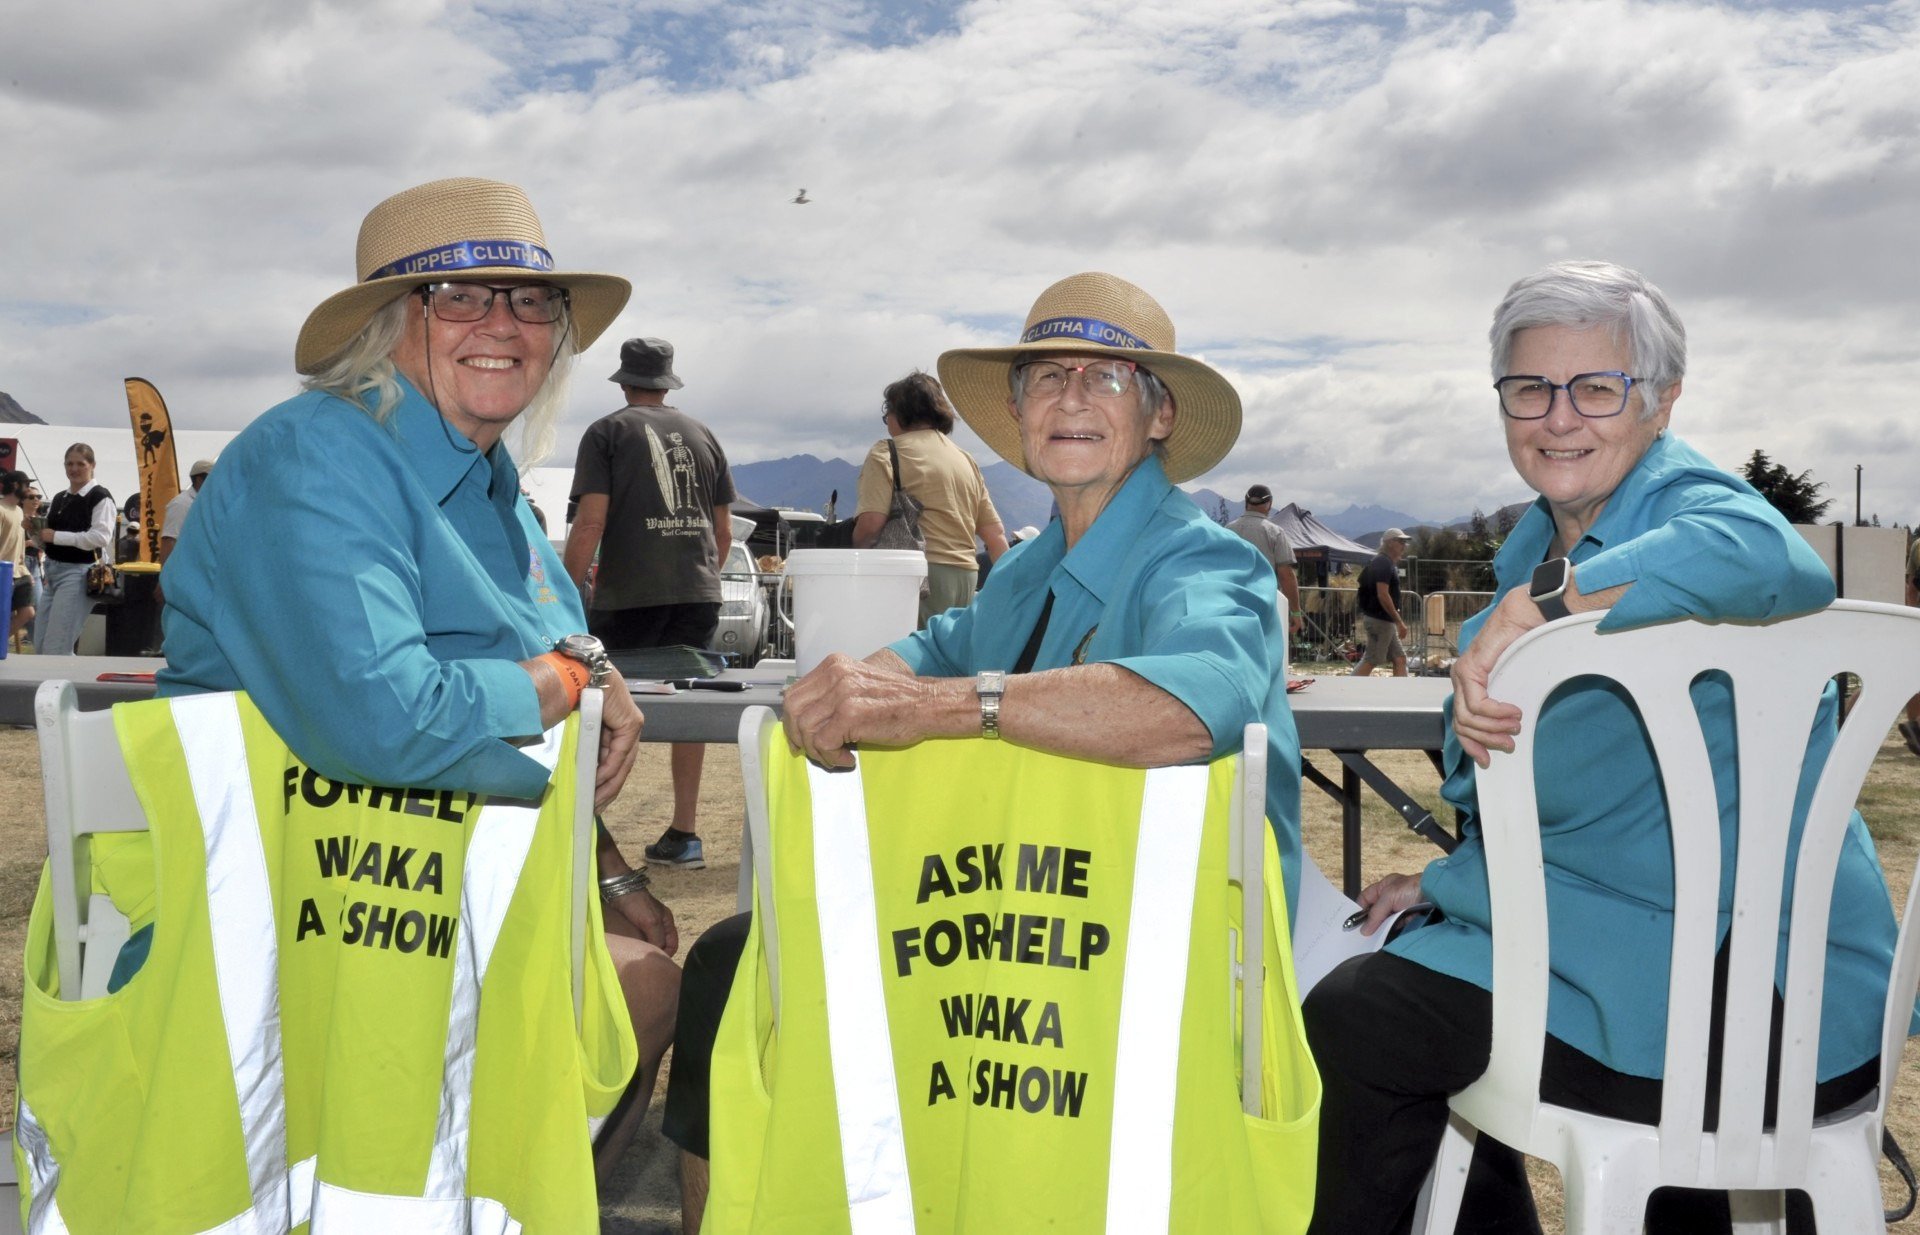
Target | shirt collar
(440,456)
(1526,545)
(1096,562)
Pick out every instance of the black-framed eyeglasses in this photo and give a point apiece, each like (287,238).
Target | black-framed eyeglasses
(1106,379)
(1594,395)
(537,304)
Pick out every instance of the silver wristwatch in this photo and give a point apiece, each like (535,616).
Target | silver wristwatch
(989,686)
(590,652)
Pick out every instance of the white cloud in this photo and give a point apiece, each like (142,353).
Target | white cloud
(1328,198)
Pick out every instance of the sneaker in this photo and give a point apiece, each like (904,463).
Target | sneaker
(677,849)
(1911,733)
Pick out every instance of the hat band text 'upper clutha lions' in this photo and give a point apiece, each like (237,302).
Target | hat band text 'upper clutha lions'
(469,255)
(1085,329)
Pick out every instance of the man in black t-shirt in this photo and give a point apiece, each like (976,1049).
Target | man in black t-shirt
(1378,599)
(653,492)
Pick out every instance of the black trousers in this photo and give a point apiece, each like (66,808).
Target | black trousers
(1393,1039)
(704,983)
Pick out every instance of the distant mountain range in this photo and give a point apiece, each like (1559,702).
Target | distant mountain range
(805,482)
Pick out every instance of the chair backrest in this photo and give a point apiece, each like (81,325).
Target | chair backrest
(760,728)
(1778,672)
(88,792)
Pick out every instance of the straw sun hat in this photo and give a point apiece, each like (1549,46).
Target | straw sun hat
(1096,314)
(466,230)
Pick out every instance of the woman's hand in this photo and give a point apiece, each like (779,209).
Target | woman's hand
(1385,897)
(620,725)
(648,917)
(1484,725)
(844,701)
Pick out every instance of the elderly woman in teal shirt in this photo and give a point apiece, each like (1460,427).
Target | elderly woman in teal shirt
(1134,630)
(1588,359)
(364,566)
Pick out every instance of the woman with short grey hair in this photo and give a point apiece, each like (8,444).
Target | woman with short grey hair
(1587,363)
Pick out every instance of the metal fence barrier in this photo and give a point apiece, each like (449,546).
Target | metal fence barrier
(1330,626)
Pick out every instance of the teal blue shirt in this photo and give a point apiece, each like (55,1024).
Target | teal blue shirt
(1696,542)
(371,585)
(1160,589)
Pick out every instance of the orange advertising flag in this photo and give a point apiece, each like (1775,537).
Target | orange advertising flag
(153,456)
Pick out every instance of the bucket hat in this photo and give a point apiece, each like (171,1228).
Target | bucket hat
(464,229)
(1095,314)
(646,364)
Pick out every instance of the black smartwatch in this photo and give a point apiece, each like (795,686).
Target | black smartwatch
(1549,588)
(590,652)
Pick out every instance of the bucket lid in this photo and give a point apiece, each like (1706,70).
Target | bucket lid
(844,562)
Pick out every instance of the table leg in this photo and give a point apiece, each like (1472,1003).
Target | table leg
(1349,829)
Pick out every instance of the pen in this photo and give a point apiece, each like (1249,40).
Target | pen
(1360,916)
(705,684)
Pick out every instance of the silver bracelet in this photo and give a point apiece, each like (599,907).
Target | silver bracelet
(613,887)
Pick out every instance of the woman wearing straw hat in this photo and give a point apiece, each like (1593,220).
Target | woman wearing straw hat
(1133,629)
(363,563)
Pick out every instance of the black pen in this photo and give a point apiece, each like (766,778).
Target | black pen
(1360,916)
(706,684)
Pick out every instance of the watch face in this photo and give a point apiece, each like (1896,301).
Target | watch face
(582,646)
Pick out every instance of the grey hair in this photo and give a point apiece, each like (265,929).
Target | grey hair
(362,373)
(1581,294)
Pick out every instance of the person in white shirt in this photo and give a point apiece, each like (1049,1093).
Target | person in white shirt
(79,527)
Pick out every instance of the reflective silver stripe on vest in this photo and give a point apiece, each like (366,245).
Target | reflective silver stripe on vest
(43,1175)
(1152,998)
(873,1151)
(342,1211)
(246,954)
(496,854)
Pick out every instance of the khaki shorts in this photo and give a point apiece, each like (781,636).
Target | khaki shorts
(1383,640)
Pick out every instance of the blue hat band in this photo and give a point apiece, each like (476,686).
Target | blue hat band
(469,255)
(1083,330)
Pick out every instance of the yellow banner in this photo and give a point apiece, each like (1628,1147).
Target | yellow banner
(153,455)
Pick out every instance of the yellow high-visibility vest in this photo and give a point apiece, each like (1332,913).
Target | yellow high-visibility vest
(357,1012)
(1006,997)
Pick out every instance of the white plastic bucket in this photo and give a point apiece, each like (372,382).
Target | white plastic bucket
(854,601)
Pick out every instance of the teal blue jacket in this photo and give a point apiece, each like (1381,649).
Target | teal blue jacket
(1693,541)
(1158,588)
(371,585)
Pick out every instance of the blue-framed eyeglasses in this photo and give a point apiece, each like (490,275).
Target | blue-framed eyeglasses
(1594,395)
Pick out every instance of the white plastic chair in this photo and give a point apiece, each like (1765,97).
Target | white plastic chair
(87,794)
(1610,1166)
(760,728)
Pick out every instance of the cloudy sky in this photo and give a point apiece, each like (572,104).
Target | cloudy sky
(1328,197)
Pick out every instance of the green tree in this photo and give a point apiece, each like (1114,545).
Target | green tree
(1797,497)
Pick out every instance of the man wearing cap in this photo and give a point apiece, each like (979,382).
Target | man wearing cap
(1258,530)
(176,516)
(1378,598)
(652,489)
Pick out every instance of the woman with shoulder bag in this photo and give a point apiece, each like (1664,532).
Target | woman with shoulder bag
(79,530)
(919,460)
